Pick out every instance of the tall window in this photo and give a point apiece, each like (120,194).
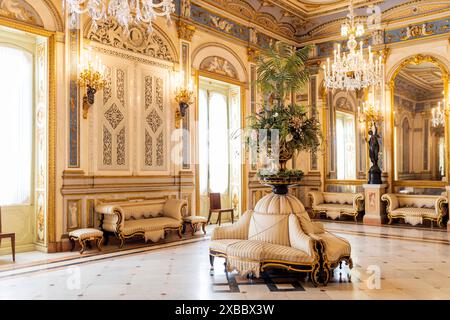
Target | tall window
(345,146)
(214,141)
(16,110)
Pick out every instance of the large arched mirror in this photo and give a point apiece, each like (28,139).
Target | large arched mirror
(419,122)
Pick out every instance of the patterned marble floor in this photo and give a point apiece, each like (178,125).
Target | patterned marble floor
(390,263)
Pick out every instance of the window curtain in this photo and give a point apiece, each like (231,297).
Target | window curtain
(16,100)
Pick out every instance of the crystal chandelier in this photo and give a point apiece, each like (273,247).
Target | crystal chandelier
(125,12)
(438,116)
(352,70)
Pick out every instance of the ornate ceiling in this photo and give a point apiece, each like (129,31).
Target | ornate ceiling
(302,20)
(420,82)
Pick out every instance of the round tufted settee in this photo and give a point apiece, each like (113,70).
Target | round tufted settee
(278,233)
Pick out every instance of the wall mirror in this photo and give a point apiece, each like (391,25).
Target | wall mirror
(347,146)
(419,122)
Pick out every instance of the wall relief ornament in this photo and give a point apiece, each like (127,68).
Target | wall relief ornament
(220,66)
(221,24)
(139,40)
(185,30)
(20,10)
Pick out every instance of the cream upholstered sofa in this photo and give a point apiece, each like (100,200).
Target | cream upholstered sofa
(278,233)
(415,208)
(149,218)
(335,204)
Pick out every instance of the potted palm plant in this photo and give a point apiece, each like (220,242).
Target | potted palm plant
(282,73)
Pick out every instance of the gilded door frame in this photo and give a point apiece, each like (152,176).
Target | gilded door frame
(416,60)
(51,183)
(244,171)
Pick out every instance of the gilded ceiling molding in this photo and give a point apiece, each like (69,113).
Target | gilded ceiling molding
(417,59)
(185,30)
(252,54)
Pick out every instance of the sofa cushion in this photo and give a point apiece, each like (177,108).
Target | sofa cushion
(335,207)
(134,211)
(419,212)
(223,244)
(271,228)
(152,224)
(274,252)
(259,251)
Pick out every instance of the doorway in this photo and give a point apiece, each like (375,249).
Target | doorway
(219,144)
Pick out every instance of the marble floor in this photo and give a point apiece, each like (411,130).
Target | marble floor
(389,263)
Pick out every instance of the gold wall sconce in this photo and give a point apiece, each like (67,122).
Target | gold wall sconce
(184,97)
(91,77)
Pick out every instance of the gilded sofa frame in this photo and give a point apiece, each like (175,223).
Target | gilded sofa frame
(122,236)
(358,198)
(442,211)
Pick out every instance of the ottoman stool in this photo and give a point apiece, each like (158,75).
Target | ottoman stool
(84,235)
(195,222)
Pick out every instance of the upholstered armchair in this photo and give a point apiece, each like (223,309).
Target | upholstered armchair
(335,204)
(279,234)
(415,208)
(150,218)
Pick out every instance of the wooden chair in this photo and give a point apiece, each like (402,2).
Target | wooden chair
(215,206)
(12,236)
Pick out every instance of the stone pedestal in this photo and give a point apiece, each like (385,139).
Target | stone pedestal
(374,208)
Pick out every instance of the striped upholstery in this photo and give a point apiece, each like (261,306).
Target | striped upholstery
(414,208)
(222,245)
(271,228)
(141,211)
(273,252)
(86,233)
(279,204)
(335,247)
(298,238)
(143,225)
(239,230)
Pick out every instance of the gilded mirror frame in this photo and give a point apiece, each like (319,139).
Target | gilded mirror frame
(417,60)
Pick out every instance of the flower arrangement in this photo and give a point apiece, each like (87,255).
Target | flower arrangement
(281,73)
(296,131)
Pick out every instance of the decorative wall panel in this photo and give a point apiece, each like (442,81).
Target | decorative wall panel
(41,136)
(153,121)
(114,121)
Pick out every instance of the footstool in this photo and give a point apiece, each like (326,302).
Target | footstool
(84,235)
(195,222)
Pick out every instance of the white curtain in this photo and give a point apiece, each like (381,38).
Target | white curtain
(213,142)
(16,101)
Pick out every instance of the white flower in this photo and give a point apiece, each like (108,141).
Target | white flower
(289,137)
(275,114)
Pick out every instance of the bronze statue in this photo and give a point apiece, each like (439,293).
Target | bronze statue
(374,150)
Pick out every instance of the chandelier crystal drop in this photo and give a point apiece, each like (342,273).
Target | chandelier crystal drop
(125,12)
(351,70)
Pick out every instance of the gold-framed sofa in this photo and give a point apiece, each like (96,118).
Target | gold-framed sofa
(335,204)
(148,218)
(413,209)
(278,233)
